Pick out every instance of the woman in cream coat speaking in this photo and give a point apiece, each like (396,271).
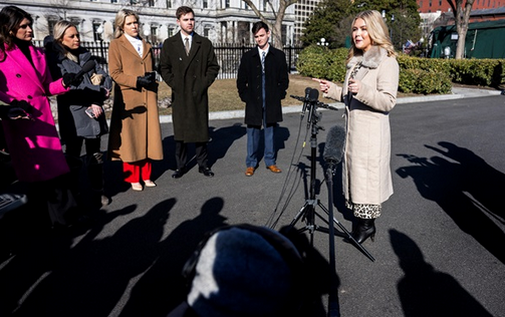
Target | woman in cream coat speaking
(369,93)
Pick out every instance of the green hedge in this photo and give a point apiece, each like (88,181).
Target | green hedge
(417,75)
(421,81)
(481,72)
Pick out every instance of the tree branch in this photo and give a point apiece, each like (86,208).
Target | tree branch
(453,5)
(257,12)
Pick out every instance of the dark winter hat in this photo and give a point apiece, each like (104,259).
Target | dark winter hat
(245,271)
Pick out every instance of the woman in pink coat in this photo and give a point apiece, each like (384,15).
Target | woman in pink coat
(31,136)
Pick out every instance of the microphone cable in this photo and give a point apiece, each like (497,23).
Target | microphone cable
(273,220)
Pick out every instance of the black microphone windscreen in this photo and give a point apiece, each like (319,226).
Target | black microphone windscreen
(313,95)
(89,65)
(334,147)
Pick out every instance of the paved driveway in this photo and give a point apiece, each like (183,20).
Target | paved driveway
(438,248)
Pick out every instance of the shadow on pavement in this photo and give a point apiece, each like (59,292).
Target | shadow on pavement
(132,272)
(468,189)
(425,292)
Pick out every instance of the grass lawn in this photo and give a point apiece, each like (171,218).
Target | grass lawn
(223,95)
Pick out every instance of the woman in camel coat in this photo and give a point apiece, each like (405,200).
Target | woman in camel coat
(135,134)
(369,93)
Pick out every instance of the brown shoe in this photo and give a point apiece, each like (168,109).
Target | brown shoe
(274,169)
(249,171)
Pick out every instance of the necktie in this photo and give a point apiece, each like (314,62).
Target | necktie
(263,61)
(186,45)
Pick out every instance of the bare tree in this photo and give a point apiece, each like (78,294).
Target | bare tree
(276,26)
(462,18)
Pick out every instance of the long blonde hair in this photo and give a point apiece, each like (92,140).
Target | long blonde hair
(59,30)
(377,30)
(120,21)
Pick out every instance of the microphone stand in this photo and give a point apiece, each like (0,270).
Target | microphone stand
(333,306)
(308,211)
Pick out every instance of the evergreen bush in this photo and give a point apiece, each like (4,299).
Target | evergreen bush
(417,75)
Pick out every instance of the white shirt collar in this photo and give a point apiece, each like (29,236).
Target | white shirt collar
(132,39)
(190,37)
(136,42)
(265,50)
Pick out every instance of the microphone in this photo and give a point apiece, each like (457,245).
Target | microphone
(313,94)
(334,147)
(326,106)
(89,65)
(306,99)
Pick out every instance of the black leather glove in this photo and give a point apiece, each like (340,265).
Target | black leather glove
(23,105)
(151,76)
(69,79)
(15,113)
(143,82)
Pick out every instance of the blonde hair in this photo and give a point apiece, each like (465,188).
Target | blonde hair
(59,30)
(377,30)
(120,21)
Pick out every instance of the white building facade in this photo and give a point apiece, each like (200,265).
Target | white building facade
(222,21)
(303,10)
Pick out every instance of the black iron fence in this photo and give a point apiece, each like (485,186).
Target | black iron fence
(228,55)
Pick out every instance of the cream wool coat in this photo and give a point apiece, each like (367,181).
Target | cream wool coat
(366,171)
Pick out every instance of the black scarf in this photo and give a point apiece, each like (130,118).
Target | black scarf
(24,46)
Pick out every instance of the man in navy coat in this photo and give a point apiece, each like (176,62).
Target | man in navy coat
(262,82)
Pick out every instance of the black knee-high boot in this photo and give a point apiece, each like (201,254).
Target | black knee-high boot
(363,229)
(95,175)
(95,171)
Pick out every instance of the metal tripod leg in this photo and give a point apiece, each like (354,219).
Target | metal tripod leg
(348,235)
(307,211)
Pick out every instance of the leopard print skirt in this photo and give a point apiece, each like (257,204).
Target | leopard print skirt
(365,211)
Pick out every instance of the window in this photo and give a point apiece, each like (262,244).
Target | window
(284,37)
(97,30)
(224,32)
(170,31)
(77,23)
(226,3)
(169,4)
(51,21)
(205,4)
(243,32)
(154,34)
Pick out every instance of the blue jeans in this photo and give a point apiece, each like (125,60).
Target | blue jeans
(253,140)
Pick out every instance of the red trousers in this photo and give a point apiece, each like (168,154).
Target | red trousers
(137,171)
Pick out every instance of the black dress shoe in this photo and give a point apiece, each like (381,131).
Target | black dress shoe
(206,171)
(179,172)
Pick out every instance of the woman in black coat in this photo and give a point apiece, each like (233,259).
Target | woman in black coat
(80,113)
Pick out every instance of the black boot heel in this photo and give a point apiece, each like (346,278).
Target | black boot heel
(364,229)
